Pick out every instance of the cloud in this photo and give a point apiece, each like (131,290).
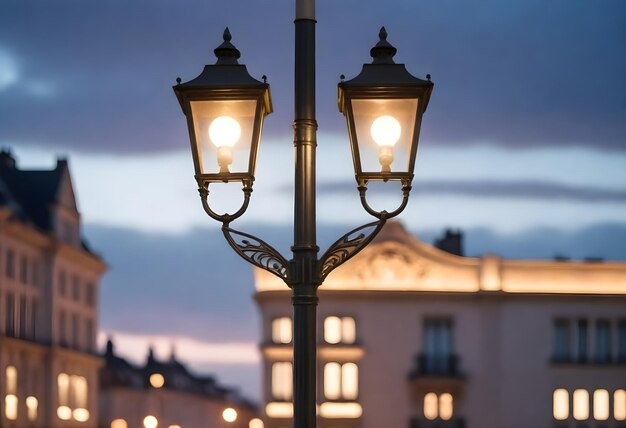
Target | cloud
(519,189)
(8,70)
(515,74)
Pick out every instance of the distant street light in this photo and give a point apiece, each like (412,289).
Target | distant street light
(225,108)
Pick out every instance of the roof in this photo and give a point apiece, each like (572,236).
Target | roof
(117,372)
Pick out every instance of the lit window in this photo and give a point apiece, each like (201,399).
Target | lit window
(256,423)
(174,426)
(441,406)
(581,404)
(79,391)
(31,404)
(282,381)
(601,404)
(560,404)
(341,381)
(119,423)
(619,405)
(445,406)
(281,330)
(63,383)
(64,413)
(150,422)
(341,410)
(11,382)
(229,415)
(10,407)
(431,410)
(157,380)
(339,330)
(81,415)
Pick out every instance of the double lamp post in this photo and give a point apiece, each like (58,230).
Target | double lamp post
(225,108)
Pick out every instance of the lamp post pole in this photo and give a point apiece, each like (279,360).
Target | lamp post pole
(304,268)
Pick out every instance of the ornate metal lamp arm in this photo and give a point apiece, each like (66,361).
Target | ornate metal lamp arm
(406,190)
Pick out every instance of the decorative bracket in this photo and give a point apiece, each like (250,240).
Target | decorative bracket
(406,190)
(257,252)
(226,218)
(349,245)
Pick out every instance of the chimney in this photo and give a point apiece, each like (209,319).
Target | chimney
(451,242)
(6,159)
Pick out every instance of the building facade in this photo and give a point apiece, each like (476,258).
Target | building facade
(166,394)
(49,283)
(417,337)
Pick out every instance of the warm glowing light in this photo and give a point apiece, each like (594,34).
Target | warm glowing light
(619,405)
(601,404)
(332,381)
(281,330)
(386,130)
(11,379)
(174,426)
(63,383)
(560,404)
(81,415)
(119,423)
(79,391)
(341,410)
(431,410)
(332,330)
(282,381)
(349,381)
(31,404)
(256,423)
(64,413)
(10,406)
(224,131)
(157,380)
(348,330)
(581,404)
(279,410)
(446,405)
(229,414)
(150,422)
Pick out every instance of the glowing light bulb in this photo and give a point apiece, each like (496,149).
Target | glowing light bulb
(224,133)
(229,415)
(386,131)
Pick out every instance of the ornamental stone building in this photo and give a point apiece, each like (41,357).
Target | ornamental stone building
(417,337)
(49,281)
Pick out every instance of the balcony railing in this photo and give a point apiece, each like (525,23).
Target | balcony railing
(428,365)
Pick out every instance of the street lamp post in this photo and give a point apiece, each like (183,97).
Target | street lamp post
(225,108)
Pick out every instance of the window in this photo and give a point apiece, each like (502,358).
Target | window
(90,293)
(581,404)
(282,381)
(581,338)
(10,315)
(438,406)
(603,341)
(560,404)
(601,404)
(437,346)
(75,288)
(62,328)
(33,320)
(75,331)
(10,264)
(89,330)
(72,392)
(281,330)
(619,405)
(621,333)
(62,283)
(31,405)
(119,423)
(35,272)
(561,340)
(341,381)
(339,330)
(22,317)
(10,400)
(23,270)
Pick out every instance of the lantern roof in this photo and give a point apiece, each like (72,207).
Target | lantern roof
(383,72)
(226,73)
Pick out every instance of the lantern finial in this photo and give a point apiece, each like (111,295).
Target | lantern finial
(227,53)
(383,52)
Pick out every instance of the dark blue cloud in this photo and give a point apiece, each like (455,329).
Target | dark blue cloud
(517,73)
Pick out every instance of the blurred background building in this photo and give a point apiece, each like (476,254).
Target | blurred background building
(49,302)
(415,336)
(51,374)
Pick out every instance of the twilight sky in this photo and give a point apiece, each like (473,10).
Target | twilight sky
(523,144)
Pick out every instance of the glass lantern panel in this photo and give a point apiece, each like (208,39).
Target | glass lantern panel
(224,131)
(384,131)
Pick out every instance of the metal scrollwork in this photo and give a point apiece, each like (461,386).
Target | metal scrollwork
(349,245)
(257,252)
